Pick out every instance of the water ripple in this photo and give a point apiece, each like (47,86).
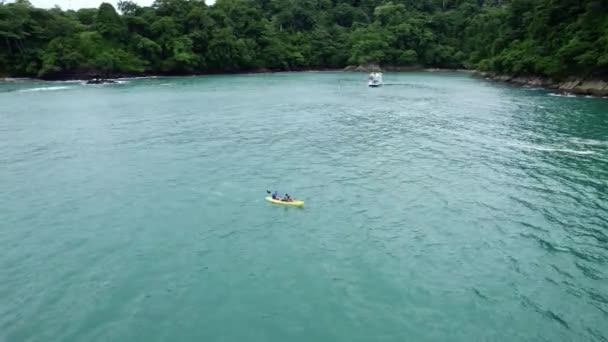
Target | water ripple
(477,209)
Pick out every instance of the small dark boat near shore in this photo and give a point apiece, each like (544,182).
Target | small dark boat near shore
(98,80)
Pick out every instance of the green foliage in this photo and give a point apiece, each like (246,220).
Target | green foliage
(182,58)
(555,38)
(117,61)
(86,16)
(369,45)
(408,57)
(108,22)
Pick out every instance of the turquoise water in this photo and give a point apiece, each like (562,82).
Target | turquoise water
(440,207)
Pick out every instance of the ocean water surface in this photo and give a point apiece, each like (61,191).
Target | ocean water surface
(440,207)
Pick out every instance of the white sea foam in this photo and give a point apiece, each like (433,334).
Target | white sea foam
(562,95)
(15,79)
(31,90)
(69,81)
(590,142)
(553,149)
(106,84)
(138,77)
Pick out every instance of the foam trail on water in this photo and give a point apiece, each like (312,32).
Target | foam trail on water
(590,142)
(552,149)
(43,89)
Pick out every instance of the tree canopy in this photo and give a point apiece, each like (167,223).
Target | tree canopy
(553,38)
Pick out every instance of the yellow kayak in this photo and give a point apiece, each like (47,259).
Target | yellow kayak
(296,203)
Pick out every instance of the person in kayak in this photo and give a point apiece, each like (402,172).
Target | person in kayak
(287,198)
(275,195)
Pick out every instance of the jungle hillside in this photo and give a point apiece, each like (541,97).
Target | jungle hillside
(551,38)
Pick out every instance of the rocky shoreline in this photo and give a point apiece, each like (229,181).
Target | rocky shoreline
(571,85)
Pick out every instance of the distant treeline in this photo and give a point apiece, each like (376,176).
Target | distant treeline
(553,38)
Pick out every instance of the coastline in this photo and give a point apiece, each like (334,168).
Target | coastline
(85,76)
(571,85)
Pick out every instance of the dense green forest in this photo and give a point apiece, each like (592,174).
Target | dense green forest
(541,37)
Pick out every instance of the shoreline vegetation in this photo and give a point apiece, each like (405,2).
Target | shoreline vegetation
(557,44)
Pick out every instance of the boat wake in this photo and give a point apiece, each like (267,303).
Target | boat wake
(109,82)
(32,90)
(553,149)
(139,77)
(69,81)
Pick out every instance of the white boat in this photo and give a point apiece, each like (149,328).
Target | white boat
(374,79)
